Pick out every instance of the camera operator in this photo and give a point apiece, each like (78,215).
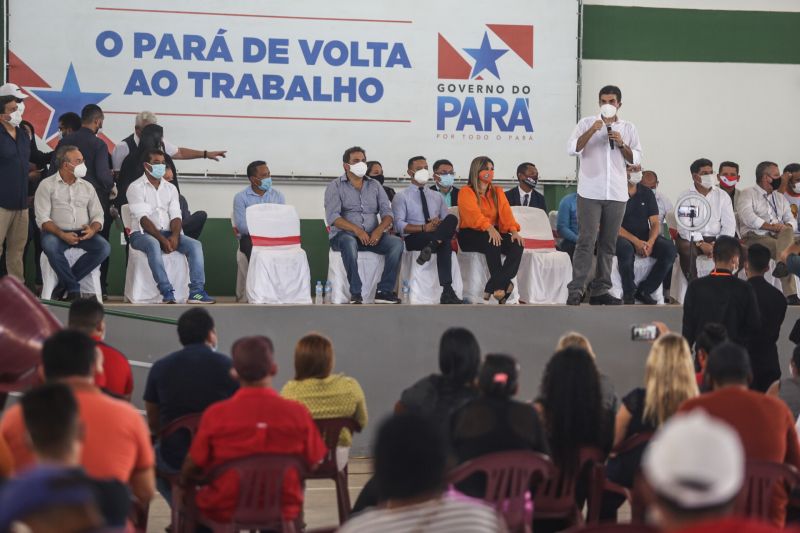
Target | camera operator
(721,221)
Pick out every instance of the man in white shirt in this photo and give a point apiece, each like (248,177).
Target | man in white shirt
(721,221)
(790,187)
(156,228)
(765,217)
(70,215)
(605,144)
(128,144)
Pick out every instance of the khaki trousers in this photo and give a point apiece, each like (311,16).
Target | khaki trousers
(14,232)
(776,244)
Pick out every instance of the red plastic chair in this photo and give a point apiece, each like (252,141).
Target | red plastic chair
(555,499)
(330,429)
(509,476)
(613,528)
(635,496)
(260,493)
(761,480)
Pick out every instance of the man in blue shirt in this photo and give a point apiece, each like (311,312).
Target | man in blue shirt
(567,223)
(15,150)
(352,205)
(259,191)
(421,216)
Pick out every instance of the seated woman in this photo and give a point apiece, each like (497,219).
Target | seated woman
(494,421)
(326,395)
(488,226)
(669,380)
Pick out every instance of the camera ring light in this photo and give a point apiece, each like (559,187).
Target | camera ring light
(692,213)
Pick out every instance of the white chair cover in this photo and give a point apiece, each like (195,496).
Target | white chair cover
(89,284)
(140,287)
(370,269)
(475,274)
(679,283)
(423,280)
(544,272)
(278,272)
(641,268)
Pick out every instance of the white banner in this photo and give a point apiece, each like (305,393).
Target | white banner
(296,83)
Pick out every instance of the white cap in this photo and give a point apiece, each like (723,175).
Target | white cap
(12,89)
(695,461)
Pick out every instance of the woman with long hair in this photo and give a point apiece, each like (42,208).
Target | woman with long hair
(487,226)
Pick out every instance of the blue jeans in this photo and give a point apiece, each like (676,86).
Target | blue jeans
(96,248)
(189,247)
(664,253)
(390,246)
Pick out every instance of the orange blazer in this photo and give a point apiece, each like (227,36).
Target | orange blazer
(477,217)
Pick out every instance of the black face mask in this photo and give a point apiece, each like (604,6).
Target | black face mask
(776,183)
(378,178)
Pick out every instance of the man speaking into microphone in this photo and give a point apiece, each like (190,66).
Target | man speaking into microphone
(605,144)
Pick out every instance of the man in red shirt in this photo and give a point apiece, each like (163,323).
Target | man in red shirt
(764,423)
(254,420)
(87,316)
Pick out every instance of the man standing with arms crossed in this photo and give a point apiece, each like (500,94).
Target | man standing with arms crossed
(605,145)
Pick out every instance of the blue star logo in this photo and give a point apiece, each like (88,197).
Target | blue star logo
(69,98)
(485,57)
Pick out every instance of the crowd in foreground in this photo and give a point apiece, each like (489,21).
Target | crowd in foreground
(75,453)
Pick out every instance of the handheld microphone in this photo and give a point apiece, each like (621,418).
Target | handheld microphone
(610,140)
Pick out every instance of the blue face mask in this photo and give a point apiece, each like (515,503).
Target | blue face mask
(447,180)
(158,171)
(266,184)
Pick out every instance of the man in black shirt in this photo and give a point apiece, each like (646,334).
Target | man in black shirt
(722,297)
(763,347)
(640,234)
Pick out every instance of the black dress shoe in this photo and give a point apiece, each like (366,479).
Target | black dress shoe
(793,300)
(574,298)
(645,298)
(449,296)
(628,299)
(781,270)
(425,255)
(356,299)
(604,299)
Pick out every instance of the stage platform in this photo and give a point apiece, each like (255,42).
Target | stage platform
(388,347)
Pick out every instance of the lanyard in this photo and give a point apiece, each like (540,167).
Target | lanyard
(772,204)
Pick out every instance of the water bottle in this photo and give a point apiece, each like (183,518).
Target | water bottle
(328,292)
(406,293)
(318,293)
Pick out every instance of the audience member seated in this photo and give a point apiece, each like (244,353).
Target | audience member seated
(375,171)
(722,297)
(765,217)
(525,193)
(695,470)
(790,187)
(410,457)
(259,191)
(495,422)
(255,420)
(488,226)
(152,138)
(567,224)
(325,395)
(156,227)
(788,389)
(728,177)
(422,218)
(114,375)
(640,234)
(764,423)
(573,339)
(352,206)
(669,380)
(721,221)
(70,215)
(445,175)
(183,383)
(650,180)
(709,337)
(116,443)
(763,346)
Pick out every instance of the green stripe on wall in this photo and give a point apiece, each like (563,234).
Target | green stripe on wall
(652,34)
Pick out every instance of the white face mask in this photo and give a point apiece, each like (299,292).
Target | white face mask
(422,176)
(608,111)
(796,187)
(15,118)
(707,180)
(80,171)
(21,108)
(635,177)
(359,169)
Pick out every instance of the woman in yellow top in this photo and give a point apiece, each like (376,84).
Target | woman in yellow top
(325,395)
(487,225)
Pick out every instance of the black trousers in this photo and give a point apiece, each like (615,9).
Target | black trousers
(246,246)
(567,246)
(193,225)
(500,273)
(439,240)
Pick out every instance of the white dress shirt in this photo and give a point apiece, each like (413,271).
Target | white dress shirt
(664,206)
(755,208)
(70,207)
(602,173)
(160,205)
(722,220)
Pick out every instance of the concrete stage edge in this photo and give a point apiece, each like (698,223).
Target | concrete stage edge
(388,347)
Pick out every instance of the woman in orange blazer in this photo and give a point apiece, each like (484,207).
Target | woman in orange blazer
(487,225)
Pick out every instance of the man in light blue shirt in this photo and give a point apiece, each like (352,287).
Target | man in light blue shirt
(353,202)
(421,216)
(259,191)
(567,224)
